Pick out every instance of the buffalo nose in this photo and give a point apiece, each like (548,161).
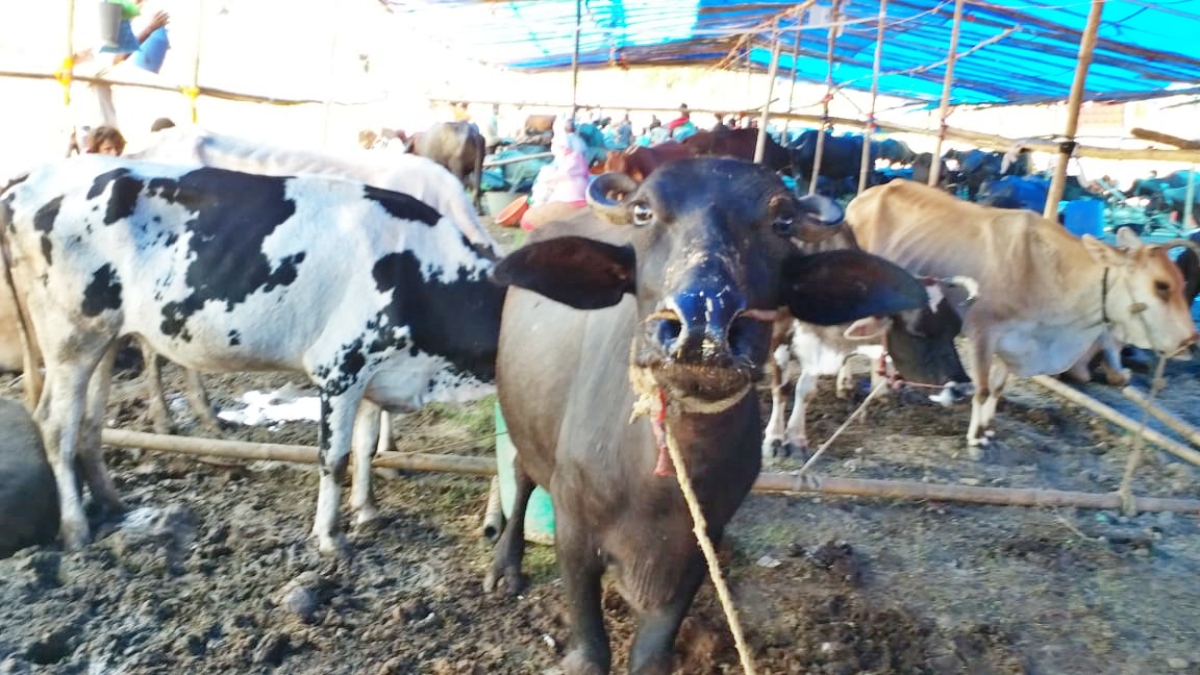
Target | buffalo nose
(696,326)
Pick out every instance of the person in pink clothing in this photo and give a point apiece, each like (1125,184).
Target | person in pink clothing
(561,186)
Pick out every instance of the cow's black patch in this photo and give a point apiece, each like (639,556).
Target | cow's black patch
(458,319)
(43,221)
(122,201)
(104,291)
(400,205)
(100,183)
(235,338)
(234,215)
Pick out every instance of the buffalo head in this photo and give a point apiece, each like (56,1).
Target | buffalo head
(705,247)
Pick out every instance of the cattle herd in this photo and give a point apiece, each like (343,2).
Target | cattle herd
(643,321)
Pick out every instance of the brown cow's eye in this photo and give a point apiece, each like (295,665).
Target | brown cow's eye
(1162,288)
(642,214)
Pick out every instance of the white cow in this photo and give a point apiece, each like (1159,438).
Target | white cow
(416,176)
(375,295)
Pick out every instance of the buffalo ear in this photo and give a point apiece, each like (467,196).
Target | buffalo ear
(837,287)
(576,271)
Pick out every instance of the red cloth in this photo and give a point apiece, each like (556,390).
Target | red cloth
(678,122)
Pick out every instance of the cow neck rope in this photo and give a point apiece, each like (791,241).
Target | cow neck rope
(653,399)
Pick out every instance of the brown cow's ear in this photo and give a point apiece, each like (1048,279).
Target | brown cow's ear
(1103,253)
(576,271)
(841,286)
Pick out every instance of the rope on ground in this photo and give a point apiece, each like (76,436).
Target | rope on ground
(1128,505)
(838,432)
(700,528)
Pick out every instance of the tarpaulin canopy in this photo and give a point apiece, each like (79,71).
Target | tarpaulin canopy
(1010,51)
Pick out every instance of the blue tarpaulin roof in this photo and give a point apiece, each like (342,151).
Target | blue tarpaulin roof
(1010,51)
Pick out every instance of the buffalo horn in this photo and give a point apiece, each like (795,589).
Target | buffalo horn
(598,195)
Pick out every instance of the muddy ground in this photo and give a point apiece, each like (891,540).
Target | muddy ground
(212,570)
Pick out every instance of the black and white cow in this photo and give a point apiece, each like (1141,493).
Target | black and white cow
(375,295)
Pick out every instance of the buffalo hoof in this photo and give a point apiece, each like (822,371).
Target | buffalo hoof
(577,663)
(507,578)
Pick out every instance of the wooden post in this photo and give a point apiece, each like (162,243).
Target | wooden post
(796,56)
(760,145)
(820,150)
(1189,196)
(935,168)
(867,165)
(575,60)
(193,93)
(335,13)
(1086,45)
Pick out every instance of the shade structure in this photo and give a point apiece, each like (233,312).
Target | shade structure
(1012,51)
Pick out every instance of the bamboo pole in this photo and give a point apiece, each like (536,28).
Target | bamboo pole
(1086,45)
(768,483)
(935,167)
(575,60)
(1191,433)
(820,150)
(301,454)
(193,92)
(796,54)
(866,164)
(912,490)
(212,92)
(1079,398)
(1189,196)
(760,144)
(335,15)
(1168,139)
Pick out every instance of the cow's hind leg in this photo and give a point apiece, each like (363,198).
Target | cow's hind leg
(510,550)
(160,416)
(60,417)
(197,397)
(333,455)
(981,363)
(366,436)
(654,642)
(104,492)
(773,436)
(797,427)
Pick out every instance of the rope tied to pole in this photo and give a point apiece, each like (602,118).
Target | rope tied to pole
(65,76)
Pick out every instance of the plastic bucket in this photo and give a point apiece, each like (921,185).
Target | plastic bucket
(110,24)
(1084,216)
(153,51)
(539,515)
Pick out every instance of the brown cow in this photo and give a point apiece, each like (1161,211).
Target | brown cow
(640,160)
(1046,296)
(459,147)
(739,143)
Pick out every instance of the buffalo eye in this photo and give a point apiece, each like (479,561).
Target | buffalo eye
(783,225)
(1163,289)
(642,214)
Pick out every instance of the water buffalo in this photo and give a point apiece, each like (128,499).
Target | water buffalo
(459,147)
(658,297)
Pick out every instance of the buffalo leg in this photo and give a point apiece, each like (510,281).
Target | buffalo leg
(160,416)
(91,457)
(334,433)
(654,642)
(366,434)
(580,569)
(510,550)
